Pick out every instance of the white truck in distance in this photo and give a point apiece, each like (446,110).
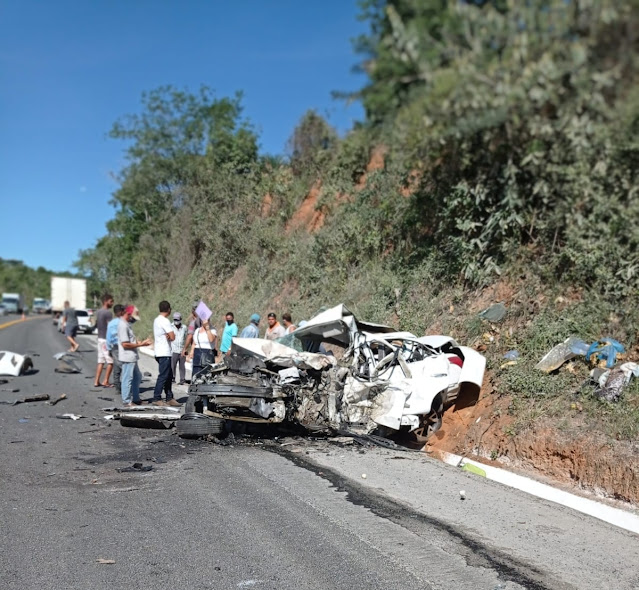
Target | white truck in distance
(66,289)
(13,302)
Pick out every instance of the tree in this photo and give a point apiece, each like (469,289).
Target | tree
(312,138)
(175,141)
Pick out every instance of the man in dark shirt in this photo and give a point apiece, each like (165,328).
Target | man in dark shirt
(104,316)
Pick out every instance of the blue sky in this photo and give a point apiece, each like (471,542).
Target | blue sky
(69,69)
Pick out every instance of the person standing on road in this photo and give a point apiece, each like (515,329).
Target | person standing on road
(288,323)
(230,331)
(163,336)
(203,347)
(128,354)
(194,323)
(253,329)
(274,330)
(112,346)
(104,316)
(178,356)
(70,325)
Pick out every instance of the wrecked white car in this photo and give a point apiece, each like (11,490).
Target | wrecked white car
(371,380)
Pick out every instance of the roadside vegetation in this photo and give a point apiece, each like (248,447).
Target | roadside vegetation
(498,161)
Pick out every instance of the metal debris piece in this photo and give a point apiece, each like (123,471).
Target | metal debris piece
(69,416)
(14,364)
(135,468)
(59,399)
(25,400)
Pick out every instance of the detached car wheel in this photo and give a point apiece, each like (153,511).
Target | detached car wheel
(194,425)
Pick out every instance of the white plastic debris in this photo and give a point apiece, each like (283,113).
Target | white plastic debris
(364,476)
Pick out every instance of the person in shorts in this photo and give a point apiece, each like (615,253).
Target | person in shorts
(70,325)
(104,316)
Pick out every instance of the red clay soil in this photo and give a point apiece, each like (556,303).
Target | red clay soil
(308,215)
(375,163)
(481,429)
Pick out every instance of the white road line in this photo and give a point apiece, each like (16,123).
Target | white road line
(615,516)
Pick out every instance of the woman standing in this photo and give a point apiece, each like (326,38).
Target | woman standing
(203,347)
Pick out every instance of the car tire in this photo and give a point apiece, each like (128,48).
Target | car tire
(194,425)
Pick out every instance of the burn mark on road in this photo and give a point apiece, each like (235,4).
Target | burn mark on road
(474,551)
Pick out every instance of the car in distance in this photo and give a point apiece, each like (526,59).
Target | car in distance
(84,322)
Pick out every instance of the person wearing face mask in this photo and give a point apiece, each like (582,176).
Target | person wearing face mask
(230,331)
(128,355)
(177,348)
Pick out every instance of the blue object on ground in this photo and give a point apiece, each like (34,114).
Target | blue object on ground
(512,355)
(606,349)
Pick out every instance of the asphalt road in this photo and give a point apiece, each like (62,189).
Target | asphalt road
(257,514)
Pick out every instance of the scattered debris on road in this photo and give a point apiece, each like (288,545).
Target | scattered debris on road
(57,400)
(102,561)
(135,468)
(69,416)
(25,400)
(14,364)
(66,363)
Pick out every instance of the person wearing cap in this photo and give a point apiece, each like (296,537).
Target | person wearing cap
(128,355)
(163,336)
(177,348)
(230,331)
(252,330)
(275,329)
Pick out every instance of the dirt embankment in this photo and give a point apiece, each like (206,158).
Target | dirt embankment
(586,460)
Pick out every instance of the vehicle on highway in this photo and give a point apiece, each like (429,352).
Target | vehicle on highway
(68,289)
(85,323)
(3,309)
(41,305)
(13,302)
(373,380)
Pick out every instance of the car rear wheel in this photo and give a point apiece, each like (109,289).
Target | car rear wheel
(430,423)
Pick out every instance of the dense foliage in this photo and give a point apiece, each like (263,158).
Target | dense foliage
(508,139)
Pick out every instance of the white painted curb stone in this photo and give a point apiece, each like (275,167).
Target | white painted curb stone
(615,516)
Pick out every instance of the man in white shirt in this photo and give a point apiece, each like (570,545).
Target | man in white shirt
(163,335)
